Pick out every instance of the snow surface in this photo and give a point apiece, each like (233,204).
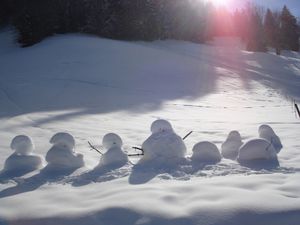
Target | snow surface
(89,87)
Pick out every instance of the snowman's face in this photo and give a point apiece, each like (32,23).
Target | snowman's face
(161,126)
(112,140)
(265,129)
(234,135)
(22,145)
(63,140)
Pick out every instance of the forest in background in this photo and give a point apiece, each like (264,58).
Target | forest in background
(148,20)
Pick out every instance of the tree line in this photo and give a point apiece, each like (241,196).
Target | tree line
(189,20)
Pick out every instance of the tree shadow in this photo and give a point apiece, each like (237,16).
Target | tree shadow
(129,77)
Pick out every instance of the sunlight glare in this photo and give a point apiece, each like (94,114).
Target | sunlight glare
(219,3)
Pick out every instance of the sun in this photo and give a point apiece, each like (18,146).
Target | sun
(219,3)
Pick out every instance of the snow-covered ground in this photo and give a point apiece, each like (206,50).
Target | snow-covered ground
(89,87)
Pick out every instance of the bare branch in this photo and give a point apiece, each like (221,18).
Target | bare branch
(94,148)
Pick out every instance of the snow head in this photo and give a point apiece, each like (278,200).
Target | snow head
(114,156)
(22,145)
(164,144)
(266,132)
(62,154)
(161,125)
(230,148)
(63,140)
(206,152)
(112,140)
(257,149)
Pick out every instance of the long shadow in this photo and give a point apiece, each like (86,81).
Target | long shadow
(110,216)
(145,171)
(101,174)
(258,165)
(47,174)
(124,216)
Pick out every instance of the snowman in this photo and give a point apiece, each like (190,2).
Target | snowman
(114,156)
(62,154)
(230,148)
(163,145)
(23,157)
(206,152)
(257,150)
(266,132)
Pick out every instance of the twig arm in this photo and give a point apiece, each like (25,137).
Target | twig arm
(94,148)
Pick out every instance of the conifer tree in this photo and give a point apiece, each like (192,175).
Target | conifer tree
(289,30)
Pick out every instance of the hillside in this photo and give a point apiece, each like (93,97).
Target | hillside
(90,86)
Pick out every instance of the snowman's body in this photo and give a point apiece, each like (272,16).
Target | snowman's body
(163,144)
(230,148)
(266,132)
(257,150)
(23,157)
(206,152)
(62,154)
(114,156)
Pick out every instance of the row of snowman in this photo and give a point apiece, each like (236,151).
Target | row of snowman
(163,145)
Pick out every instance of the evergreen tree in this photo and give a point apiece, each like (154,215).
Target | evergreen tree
(289,30)
(270,28)
(256,39)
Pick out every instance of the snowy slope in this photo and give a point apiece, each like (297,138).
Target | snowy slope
(89,87)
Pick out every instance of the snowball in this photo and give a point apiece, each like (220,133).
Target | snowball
(166,145)
(22,145)
(230,148)
(112,140)
(17,162)
(206,152)
(266,132)
(257,149)
(161,125)
(64,140)
(62,152)
(114,156)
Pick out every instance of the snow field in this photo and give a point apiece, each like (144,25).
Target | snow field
(89,87)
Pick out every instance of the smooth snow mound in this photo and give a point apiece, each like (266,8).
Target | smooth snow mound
(267,132)
(161,125)
(257,149)
(22,145)
(62,154)
(230,148)
(206,152)
(114,156)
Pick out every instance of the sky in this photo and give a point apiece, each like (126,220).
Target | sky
(293,5)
